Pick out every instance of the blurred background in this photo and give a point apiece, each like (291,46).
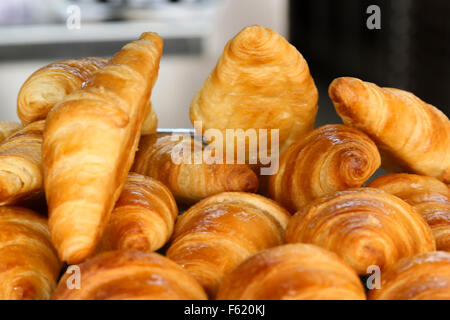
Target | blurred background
(411,50)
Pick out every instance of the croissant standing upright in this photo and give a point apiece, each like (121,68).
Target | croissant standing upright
(173,163)
(260,82)
(21,174)
(330,158)
(29,265)
(292,272)
(429,196)
(7,128)
(89,144)
(219,232)
(423,277)
(143,218)
(363,226)
(412,135)
(131,275)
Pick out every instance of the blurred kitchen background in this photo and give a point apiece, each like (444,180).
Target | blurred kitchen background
(411,50)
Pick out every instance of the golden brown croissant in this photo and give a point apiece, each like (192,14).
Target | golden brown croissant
(363,226)
(259,82)
(89,144)
(150,124)
(292,272)
(189,181)
(331,158)
(7,128)
(130,275)
(21,165)
(423,277)
(50,84)
(143,218)
(29,266)
(218,233)
(429,196)
(411,134)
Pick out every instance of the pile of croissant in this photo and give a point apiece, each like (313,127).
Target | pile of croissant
(87,182)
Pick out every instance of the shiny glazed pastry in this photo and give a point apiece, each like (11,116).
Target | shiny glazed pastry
(292,272)
(143,218)
(423,277)
(7,128)
(131,275)
(21,165)
(219,232)
(260,82)
(330,158)
(412,135)
(173,163)
(364,227)
(89,145)
(29,266)
(429,196)
(50,84)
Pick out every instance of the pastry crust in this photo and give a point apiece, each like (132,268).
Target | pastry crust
(89,145)
(292,272)
(50,84)
(131,275)
(21,175)
(364,227)
(260,82)
(330,158)
(189,181)
(429,196)
(423,277)
(29,265)
(219,232)
(7,128)
(143,218)
(412,135)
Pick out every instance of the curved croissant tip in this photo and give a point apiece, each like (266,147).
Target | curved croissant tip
(344,92)
(152,36)
(241,178)
(74,254)
(253,38)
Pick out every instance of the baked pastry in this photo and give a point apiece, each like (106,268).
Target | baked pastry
(260,82)
(174,162)
(429,196)
(364,227)
(50,84)
(21,166)
(29,265)
(412,135)
(89,145)
(143,218)
(7,128)
(219,232)
(423,277)
(292,272)
(330,158)
(131,275)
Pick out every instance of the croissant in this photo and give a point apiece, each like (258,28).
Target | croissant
(143,218)
(330,158)
(219,232)
(130,275)
(363,226)
(189,181)
(7,128)
(89,144)
(429,196)
(20,164)
(412,135)
(260,82)
(292,272)
(423,277)
(50,84)
(29,265)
